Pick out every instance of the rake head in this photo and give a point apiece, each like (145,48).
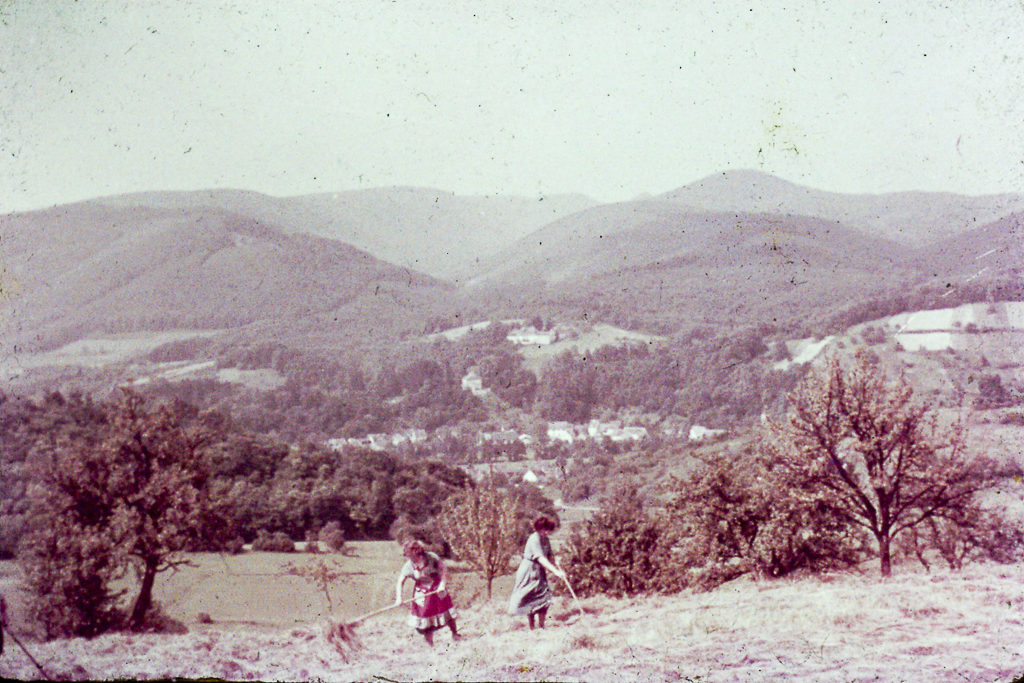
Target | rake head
(344,638)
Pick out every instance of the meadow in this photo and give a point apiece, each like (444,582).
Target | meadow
(265,624)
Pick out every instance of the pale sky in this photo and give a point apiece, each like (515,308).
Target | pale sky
(607,99)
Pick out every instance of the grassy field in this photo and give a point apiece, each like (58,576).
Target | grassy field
(266,625)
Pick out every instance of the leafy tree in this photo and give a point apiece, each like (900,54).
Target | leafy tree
(740,514)
(137,498)
(483,527)
(620,550)
(875,458)
(567,390)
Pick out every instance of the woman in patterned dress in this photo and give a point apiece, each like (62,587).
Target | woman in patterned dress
(431,606)
(532,595)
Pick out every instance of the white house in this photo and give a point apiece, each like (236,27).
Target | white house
(596,428)
(531,335)
(628,434)
(700,432)
(408,436)
(562,431)
(472,381)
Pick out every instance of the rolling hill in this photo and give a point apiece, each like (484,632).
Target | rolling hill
(666,262)
(98,268)
(257,268)
(421,229)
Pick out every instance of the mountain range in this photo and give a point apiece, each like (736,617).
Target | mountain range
(422,229)
(371,266)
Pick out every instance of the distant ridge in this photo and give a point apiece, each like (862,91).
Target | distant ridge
(913,218)
(423,229)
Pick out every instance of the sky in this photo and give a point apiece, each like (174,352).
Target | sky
(607,99)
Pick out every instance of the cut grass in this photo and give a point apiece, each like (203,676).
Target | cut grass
(914,626)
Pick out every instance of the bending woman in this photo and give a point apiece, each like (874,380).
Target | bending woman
(532,595)
(432,607)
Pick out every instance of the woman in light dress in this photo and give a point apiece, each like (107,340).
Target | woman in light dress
(531,595)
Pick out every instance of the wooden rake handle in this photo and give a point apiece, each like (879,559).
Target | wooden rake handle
(573,593)
(382,610)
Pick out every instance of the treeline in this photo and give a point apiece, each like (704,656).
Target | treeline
(925,298)
(706,376)
(261,483)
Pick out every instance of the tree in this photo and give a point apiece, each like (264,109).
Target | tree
(882,459)
(321,574)
(483,527)
(620,550)
(740,513)
(136,499)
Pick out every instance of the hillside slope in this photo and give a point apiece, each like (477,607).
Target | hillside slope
(86,268)
(665,262)
(939,627)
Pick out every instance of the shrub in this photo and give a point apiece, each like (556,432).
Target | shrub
(621,550)
(332,536)
(1012,418)
(236,546)
(739,515)
(277,542)
(321,574)
(72,597)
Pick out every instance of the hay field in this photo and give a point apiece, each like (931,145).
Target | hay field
(915,626)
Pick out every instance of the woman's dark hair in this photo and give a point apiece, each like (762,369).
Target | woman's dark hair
(544,523)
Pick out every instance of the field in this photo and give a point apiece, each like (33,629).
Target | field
(265,625)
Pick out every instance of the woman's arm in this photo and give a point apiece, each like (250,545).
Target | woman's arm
(398,589)
(546,563)
(444,576)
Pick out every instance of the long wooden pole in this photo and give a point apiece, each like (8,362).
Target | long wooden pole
(28,654)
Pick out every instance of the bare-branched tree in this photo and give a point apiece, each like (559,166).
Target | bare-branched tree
(484,528)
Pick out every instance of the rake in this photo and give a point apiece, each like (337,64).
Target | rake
(576,600)
(344,633)
(28,654)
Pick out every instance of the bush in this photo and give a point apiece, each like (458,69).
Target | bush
(621,550)
(277,542)
(332,536)
(236,546)
(738,515)
(1012,418)
(72,597)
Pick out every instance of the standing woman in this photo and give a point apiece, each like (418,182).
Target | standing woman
(531,594)
(432,607)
